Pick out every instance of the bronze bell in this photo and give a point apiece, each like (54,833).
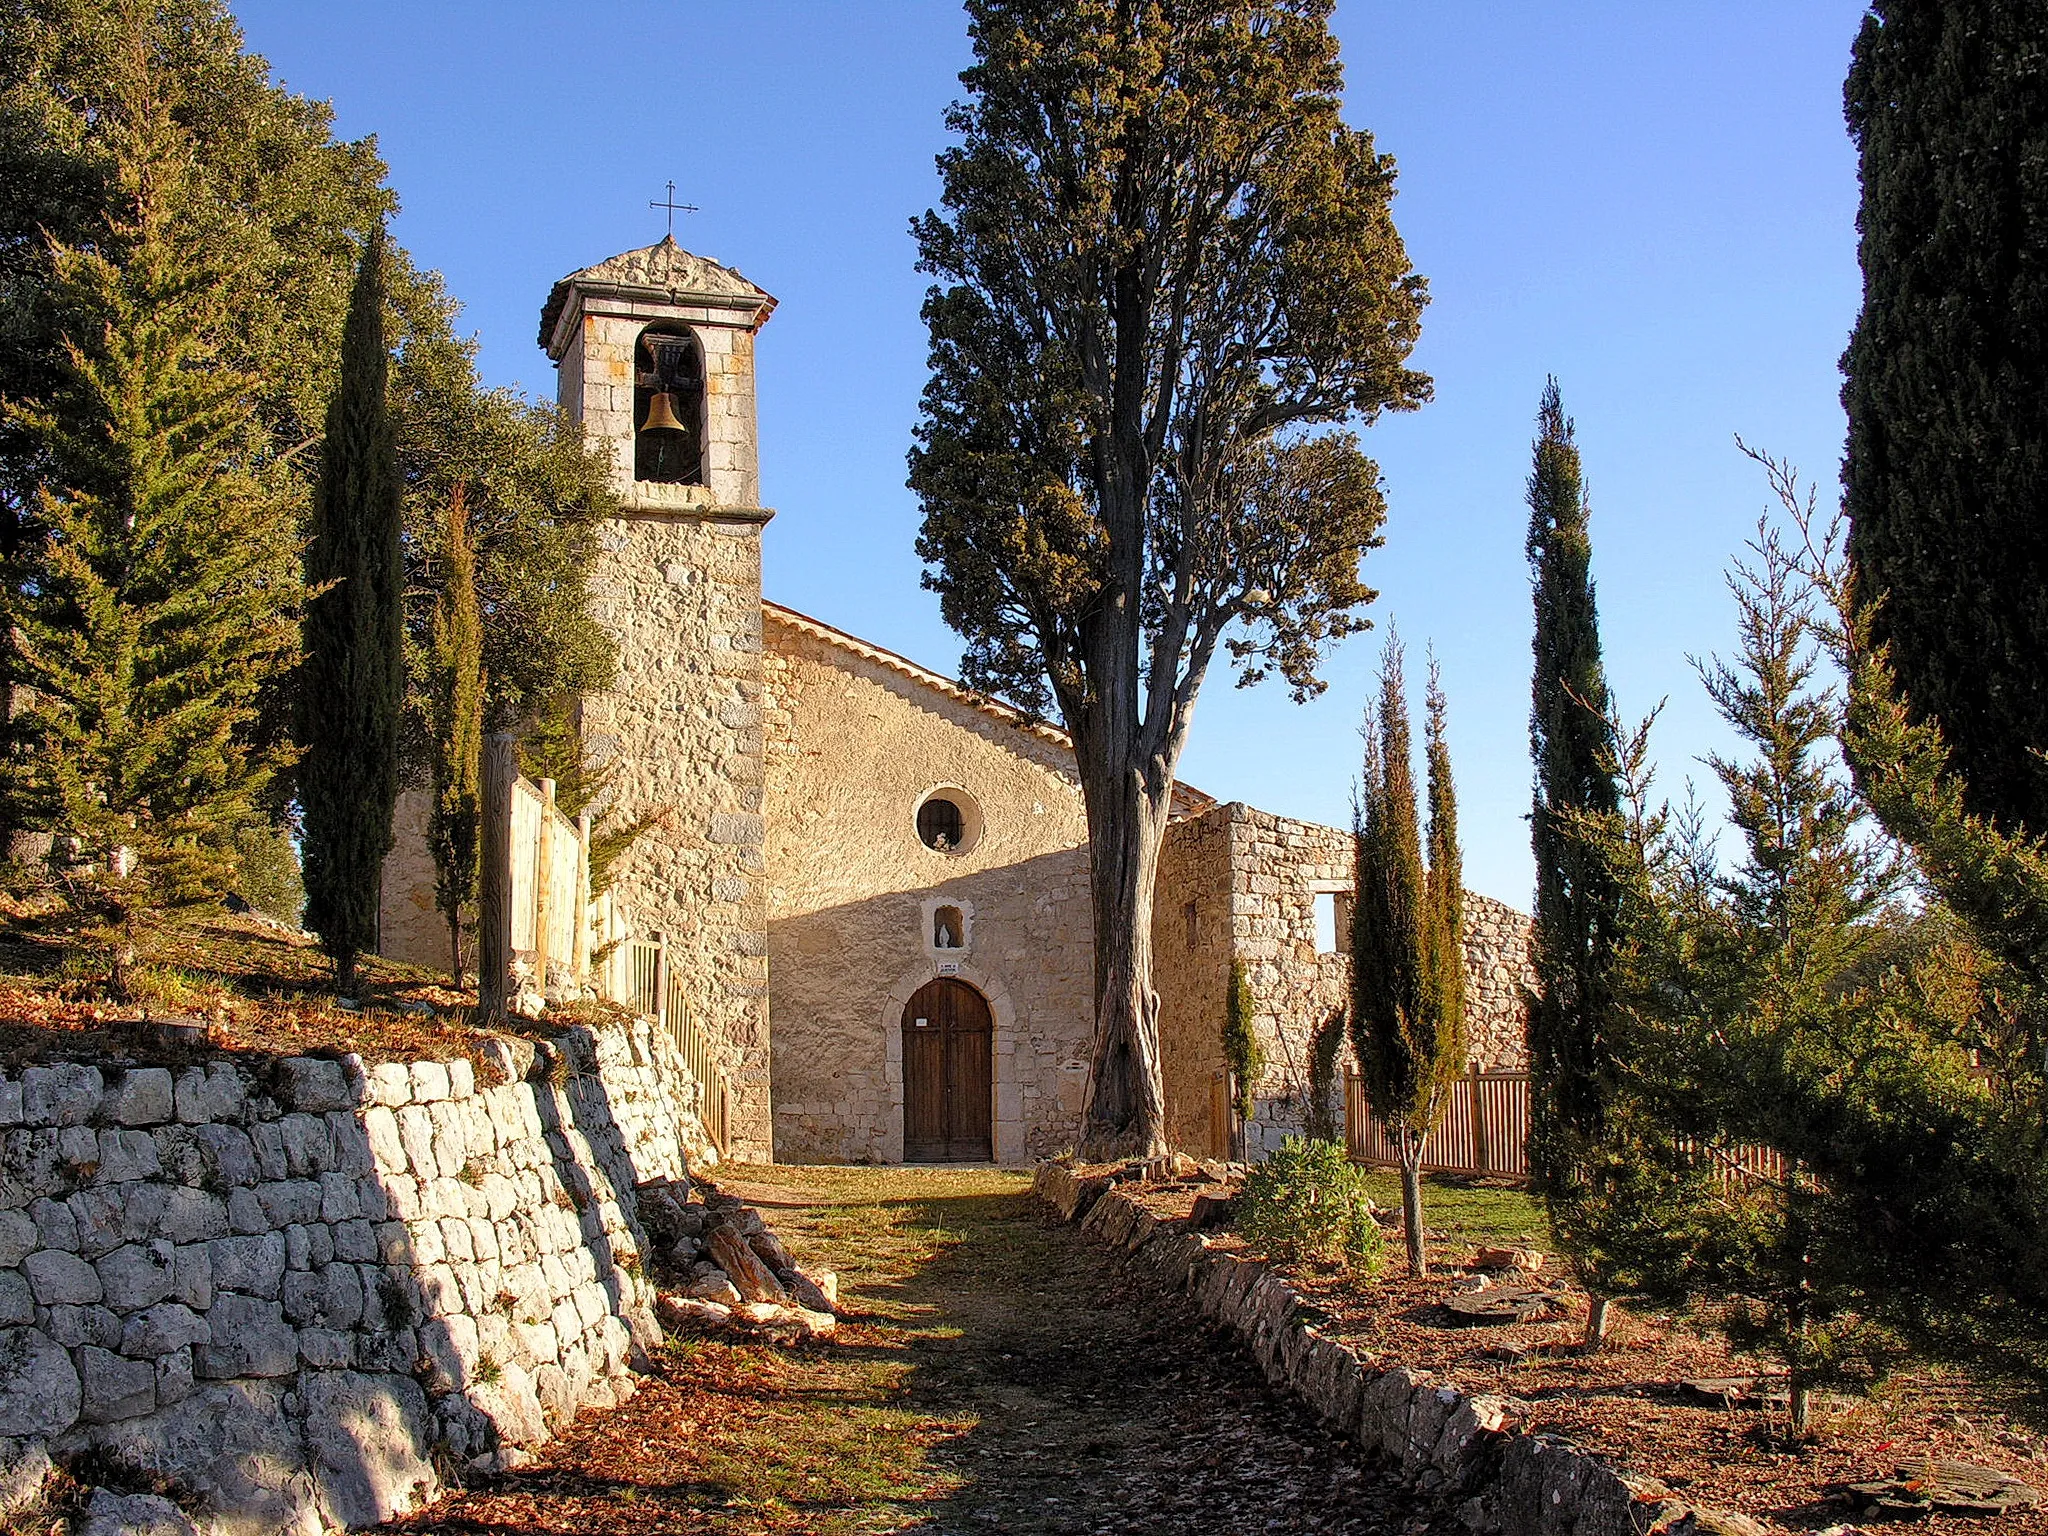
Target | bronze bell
(661,415)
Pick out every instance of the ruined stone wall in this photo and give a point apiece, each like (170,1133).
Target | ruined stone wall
(1270,870)
(409,926)
(292,1290)
(683,599)
(854,743)
(1499,969)
(1192,945)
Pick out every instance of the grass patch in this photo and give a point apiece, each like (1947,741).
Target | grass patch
(1461,1212)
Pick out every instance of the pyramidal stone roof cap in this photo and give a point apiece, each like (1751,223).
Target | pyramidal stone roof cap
(665,272)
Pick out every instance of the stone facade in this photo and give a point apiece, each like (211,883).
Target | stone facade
(856,739)
(292,1290)
(1237,883)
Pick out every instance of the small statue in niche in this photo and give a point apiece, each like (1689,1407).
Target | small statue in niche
(946,939)
(949,928)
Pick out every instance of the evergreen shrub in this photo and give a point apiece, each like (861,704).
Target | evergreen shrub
(1307,1201)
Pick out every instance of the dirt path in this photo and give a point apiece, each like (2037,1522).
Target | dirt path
(994,1375)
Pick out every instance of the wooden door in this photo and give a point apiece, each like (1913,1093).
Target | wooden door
(948,1081)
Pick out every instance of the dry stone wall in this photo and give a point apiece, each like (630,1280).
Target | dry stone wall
(290,1291)
(1473,1449)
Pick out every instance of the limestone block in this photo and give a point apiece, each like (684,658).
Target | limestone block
(60,1278)
(210,1093)
(390,1084)
(17,1302)
(137,1275)
(232,1443)
(63,1093)
(308,1148)
(10,1103)
(115,1387)
(162,1329)
(173,1377)
(251,1264)
(250,1338)
(315,1086)
(369,1444)
(268,1140)
(125,1156)
(139,1096)
(327,1348)
(137,1514)
(230,1156)
(17,1237)
(191,1215)
(429,1081)
(245,1212)
(192,1276)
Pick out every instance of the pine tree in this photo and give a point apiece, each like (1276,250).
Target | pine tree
(1947,381)
(353,682)
(160,600)
(457,663)
(1574,1066)
(1409,1048)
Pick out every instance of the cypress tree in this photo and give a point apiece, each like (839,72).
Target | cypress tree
(1242,1055)
(1409,1049)
(1946,384)
(353,683)
(1574,1068)
(457,663)
(1444,908)
(159,600)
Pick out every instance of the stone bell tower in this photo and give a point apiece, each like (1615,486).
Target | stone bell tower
(655,350)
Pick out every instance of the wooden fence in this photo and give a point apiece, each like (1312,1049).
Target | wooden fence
(535,908)
(657,990)
(1485,1133)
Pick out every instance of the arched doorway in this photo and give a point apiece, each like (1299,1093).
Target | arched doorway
(948,1084)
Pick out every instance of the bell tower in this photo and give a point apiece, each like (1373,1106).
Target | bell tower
(655,352)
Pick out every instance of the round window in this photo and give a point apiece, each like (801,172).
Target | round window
(948,821)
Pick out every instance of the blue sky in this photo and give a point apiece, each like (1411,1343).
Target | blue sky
(1655,202)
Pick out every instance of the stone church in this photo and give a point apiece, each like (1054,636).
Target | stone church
(874,878)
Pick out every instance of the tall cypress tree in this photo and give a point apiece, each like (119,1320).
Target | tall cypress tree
(1409,1045)
(457,709)
(160,599)
(1573,1017)
(353,685)
(1947,380)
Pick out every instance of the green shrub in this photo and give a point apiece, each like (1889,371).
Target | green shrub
(1307,1201)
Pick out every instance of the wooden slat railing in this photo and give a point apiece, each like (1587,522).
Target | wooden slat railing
(657,990)
(1485,1134)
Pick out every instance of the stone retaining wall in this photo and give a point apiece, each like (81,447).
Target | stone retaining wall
(289,1291)
(1472,1448)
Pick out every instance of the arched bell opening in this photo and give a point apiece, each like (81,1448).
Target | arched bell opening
(668,408)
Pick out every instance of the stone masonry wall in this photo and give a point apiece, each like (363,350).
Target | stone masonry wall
(855,741)
(683,723)
(1260,874)
(292,1290)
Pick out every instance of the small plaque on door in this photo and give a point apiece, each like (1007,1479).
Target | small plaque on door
(924,1023)
(949,968)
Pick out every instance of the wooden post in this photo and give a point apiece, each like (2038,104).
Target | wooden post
(1481,1152)
(580,956)
(543,882)
(494,879)
(661,979)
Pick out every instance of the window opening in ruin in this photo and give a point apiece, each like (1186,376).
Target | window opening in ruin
(949,929)
(1193,913)
(1333,921)
(668,409)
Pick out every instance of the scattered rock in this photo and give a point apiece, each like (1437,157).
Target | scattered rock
(1503,1304)
(1211,1211)
(715,1285)
(811,1292)
(682,1312)
(1527,1260)
(768,1248)
(1923,1487)
(754,1280)
(140,1514)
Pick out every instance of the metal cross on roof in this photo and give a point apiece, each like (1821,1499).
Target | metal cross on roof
(673,208)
